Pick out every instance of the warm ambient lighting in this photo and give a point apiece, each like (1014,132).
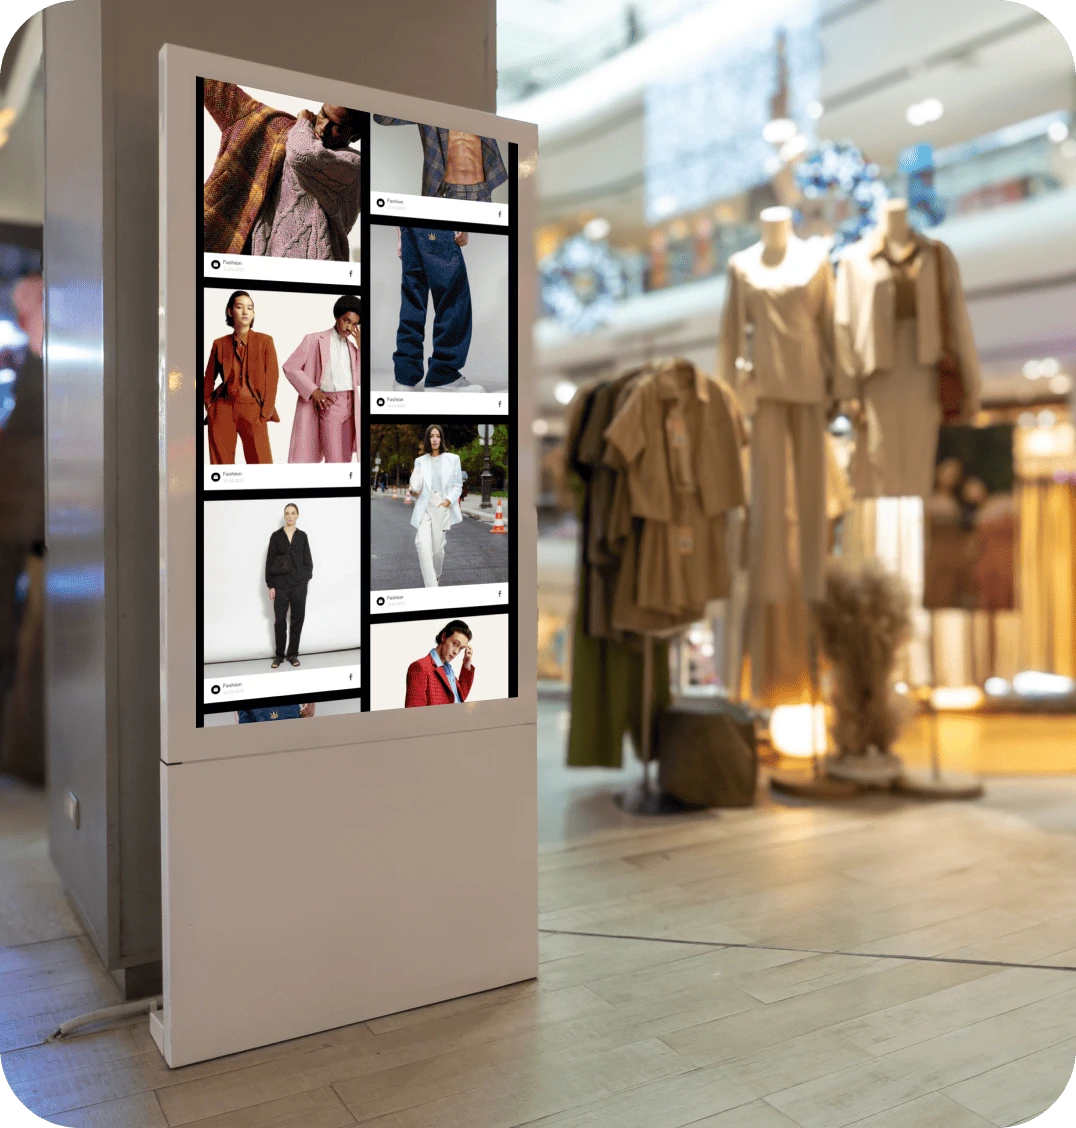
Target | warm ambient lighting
(997,687)
(1061,385)
(779,131)
(1033,683)
(7,120)
(1042,369)
(954,699)
(564,392)
(922,113)
(790,730)
(540,427)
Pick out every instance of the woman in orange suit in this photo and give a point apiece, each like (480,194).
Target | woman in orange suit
(244,401)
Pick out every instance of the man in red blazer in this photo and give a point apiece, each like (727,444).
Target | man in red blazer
(432,680)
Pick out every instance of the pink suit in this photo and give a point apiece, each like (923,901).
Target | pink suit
(331,435)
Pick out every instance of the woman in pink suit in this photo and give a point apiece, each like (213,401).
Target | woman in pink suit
(324,370)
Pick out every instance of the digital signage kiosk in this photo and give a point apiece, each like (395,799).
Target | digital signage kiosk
(347,553)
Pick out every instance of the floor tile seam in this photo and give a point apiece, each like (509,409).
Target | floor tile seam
(727,944)
(35,943)
(944,1090)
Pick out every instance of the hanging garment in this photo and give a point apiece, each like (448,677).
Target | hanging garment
(678,438)
(889,341)
(607,667)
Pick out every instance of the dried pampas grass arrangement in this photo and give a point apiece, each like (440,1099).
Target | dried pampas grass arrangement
(863,621)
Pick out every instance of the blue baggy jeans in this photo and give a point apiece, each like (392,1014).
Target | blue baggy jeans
(432,264)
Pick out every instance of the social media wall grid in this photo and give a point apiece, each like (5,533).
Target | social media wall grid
(438,598)
(283,682)
(399,205)
(433,403)
(253,268)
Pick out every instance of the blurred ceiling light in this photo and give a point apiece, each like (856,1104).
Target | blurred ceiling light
(1049,367)
(901,688)
(922,113)
(790,150)
(1046,419)
(7,375)
(1061,385)
(772,165)
(1033,683)
(791,730)
(597,229)
(1058,132)
(997,687)
(956,698)
(564,392)
(1031,370)
(815,110)
(780,130)
(540,427)
(665,205)
(842,425)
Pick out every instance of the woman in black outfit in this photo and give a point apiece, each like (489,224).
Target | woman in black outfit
(288,569)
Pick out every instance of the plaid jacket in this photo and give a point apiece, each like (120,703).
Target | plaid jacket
(435,156)
(248,164)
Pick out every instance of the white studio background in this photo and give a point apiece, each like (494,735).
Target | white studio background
(287,317)
(486,257)
(238,614)
(211,141)
(396,160)
(394,646)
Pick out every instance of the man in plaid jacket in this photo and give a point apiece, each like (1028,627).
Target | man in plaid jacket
(282,186)
(456,165)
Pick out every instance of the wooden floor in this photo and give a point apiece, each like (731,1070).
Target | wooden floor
(881,964)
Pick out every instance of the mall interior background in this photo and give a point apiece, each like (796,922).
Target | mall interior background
(654,168)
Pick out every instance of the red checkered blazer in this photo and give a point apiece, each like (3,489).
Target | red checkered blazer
(427,684)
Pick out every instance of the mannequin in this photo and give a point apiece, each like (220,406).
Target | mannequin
(895,227)
(889,338)
(776,234)
(777,351)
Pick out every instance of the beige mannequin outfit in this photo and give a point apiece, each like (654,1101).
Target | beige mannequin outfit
(889,342)
(790,307)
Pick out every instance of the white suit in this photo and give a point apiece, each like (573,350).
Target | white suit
(430,517)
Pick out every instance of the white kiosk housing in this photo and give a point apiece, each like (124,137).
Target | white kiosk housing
(322,871)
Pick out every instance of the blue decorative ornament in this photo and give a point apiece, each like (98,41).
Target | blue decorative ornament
(838,168)
(580,284)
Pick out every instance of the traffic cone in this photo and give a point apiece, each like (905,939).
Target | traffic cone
(498,519)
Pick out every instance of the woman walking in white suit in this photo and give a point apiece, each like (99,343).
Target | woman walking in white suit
(436,485)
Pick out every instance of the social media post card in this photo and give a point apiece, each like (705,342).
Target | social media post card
(281,611)
(430,172)
(440,515)
(282,185)
(281,386)
(439,320)
(440,660)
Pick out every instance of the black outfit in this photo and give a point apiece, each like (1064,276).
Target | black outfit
(288,568)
